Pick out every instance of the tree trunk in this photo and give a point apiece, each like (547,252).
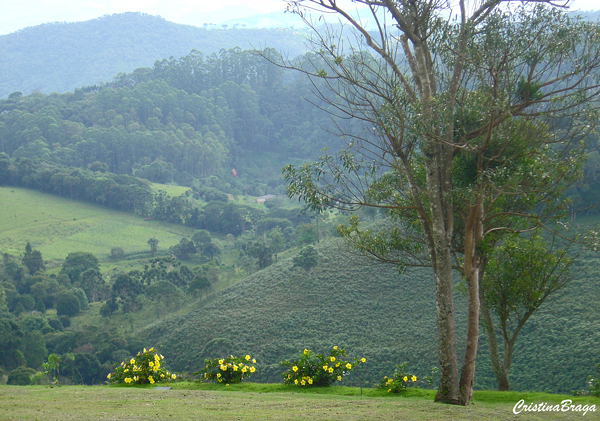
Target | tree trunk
(473,233)
(442,224)
(497,366)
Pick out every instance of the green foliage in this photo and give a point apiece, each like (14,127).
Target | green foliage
(228,370)
(20,376)
(318,369)
(144,368)
(77,263)
(399,381)
(52,367)
(32,259)
(307,259)
(67,304)
(117,253)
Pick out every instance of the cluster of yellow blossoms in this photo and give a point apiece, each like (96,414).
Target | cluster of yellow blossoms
(144,368)
(399,382)
(318,370)
(229,370)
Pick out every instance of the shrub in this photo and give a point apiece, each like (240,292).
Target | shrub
(594,383)
(229,370)
(21,376)
(144,368)
(399,381)
(318,369)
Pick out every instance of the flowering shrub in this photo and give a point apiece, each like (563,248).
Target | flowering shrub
(318,369)
(229,370)
(144,368)
(399,381)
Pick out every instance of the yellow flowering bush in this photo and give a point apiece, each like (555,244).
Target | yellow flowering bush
(318,369)
(144,368)
(399,381)
(229,370)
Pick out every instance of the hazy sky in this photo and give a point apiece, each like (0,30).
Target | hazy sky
(18,14)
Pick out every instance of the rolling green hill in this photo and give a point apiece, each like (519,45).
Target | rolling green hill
(374,312)
(58,226)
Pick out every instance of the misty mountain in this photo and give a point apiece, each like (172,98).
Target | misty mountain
(59,57)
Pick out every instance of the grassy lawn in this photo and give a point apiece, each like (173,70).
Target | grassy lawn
(260,402)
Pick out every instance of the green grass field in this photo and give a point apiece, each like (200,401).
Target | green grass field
(58,226)
(263,402)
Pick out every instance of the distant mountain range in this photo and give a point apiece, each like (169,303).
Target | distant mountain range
(60,57)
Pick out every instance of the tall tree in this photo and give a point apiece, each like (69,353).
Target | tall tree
(471,129)
(32,259)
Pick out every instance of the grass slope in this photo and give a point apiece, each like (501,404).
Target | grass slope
(374,312)
(58,226)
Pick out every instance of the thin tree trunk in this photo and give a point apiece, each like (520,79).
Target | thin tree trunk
(473,233)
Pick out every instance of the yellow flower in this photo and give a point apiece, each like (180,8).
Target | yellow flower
(219,375)
(235,367)
(151,349)
(126,370)
(362,360)
(294,369)
(339,378)
(332,359)
(128,380)
(108,377)
(310,381)
(252,369)
(173,376)
(302,382)
(132,361)
(405,378)
(244,369)
(253,361)
(335,347)
(389,390)
(150,379)
(349,366)
(247,357)
(413,378)
(162,376)
(151,364)
(296,381)
(227,384)
(144,350)
(136,378)
(330,369)
(223,367)
(305,351)
(325,367)
(220,362)
(337,364)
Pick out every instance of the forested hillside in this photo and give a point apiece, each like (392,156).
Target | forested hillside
(59,57)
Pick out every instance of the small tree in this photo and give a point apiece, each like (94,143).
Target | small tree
(67,304)
(153,243)
(307,259)
(117,253)
(523,273)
